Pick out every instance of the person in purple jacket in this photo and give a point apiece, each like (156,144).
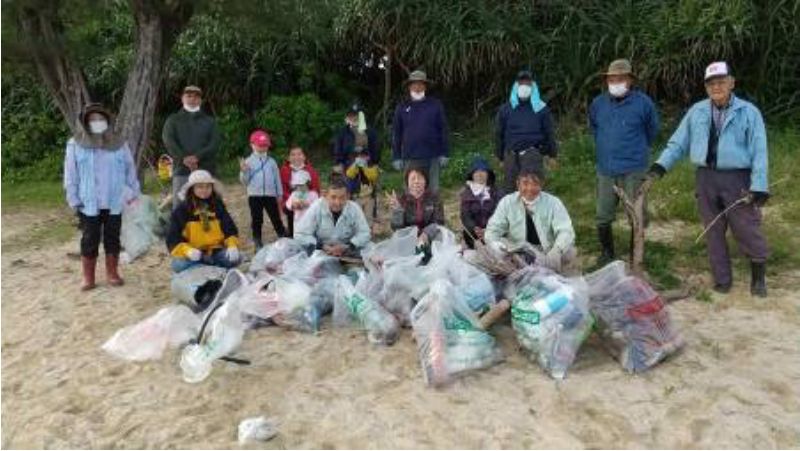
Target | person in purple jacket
(99,178)
(419,132)
(479,199)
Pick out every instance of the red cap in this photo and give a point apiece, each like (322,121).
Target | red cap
(260,138)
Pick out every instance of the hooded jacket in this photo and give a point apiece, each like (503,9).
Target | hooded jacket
(522,124)
(190,230)
(475,212)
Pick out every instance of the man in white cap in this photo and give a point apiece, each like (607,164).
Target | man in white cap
(419,132)
(726,140)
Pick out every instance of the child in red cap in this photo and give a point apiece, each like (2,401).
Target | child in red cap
(259,173)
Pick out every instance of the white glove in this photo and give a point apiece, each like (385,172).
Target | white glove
(397,165)
(232,254)
(338,169)
(194,254)
(443,161)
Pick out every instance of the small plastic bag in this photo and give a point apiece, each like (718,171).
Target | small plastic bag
(350,305)
(257,429)
(140,221)
(271,257)
(634,321)
(184,285)
(149,338)
(450,339)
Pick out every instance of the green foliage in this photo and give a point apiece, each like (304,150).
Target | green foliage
(235,127)
(305,120)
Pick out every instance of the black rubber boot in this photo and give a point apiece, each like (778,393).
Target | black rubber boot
(758,280)
(606,237)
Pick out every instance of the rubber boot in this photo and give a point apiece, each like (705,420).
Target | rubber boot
(89,264)
(758,280)
(606,237)
(112,268)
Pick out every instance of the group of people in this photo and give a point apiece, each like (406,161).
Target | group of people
(724,136)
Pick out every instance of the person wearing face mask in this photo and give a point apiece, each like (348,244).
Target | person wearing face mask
(99,178)
(294,163)
(725,139)
(418,207)
(523,130)
(192,139)
(534,223)
(419,132)
(479,199)
(356,151)
(259,174)
(624,123)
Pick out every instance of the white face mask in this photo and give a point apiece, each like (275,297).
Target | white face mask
(361,162)
(98,127)
(417,95)
(618,89)
(524,91)
(191,109)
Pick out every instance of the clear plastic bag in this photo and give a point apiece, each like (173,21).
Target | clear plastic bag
(311,269)
(257,429)
(140,224)
(149,338)
(184,284)
(271,257)
(603,280)
(635,324)
(280,299)
(474,286)
(350,305)
(402,243)
(401,276)
(450,339)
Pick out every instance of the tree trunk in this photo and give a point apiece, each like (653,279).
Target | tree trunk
(42,29)
(157,28)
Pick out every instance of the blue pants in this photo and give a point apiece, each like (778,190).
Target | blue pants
(217,258)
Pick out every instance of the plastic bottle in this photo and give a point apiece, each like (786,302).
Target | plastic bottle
(552,303)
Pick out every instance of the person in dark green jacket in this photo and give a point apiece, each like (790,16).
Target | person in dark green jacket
(192,139)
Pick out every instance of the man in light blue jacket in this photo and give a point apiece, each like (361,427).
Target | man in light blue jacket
(334,224)
(726,140)
(533,219)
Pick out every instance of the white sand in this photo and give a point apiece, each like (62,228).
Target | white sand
(735,385)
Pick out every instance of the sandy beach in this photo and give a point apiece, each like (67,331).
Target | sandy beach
(736,384)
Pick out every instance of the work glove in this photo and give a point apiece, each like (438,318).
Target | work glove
(656,171)
(194,254)
(443,162)
(397,165)
(232,254)
(338,169)
(759,198)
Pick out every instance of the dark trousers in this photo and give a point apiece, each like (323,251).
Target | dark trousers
(290,221)
(257,206)
(513,161)
(105,227)
(716,190)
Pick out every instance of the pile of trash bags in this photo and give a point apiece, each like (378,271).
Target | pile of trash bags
(442,301)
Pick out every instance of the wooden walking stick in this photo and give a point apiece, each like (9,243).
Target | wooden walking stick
(635,211)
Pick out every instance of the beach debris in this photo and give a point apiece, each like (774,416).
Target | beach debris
(173,326)
(257,429)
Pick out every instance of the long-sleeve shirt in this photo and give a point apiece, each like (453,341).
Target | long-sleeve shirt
(553,224)
(286,178)
(96,179)
(421,212)
(344,146)
(742,141)
(195,134)
(419,130)
(623,129)
(317,226)
(521,128)
(263,178)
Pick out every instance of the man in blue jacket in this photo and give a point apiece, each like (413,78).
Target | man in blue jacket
(726,140)
(624,123)
(419,132)
(523,130)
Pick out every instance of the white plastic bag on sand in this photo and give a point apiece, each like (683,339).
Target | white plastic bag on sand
(350,305)
(551,319)
(402,243)
(257,429)
(311,269)
(271,257)
(140,220)
(603,280)
(222,334)
(147,339)
(280,299)
(184,284)
(401,276)
(450,339)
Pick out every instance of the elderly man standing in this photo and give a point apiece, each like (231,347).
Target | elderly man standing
(192,139)
(624,123)
(419,132)
(523,130)
(726,140)
(533,219)
(334,224)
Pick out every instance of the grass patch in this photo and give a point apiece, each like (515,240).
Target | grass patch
(33,194)
(54,231)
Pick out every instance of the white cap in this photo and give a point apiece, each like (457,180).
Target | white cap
(718,69)
(300,177)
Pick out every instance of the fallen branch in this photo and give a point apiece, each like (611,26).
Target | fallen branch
(635,211)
